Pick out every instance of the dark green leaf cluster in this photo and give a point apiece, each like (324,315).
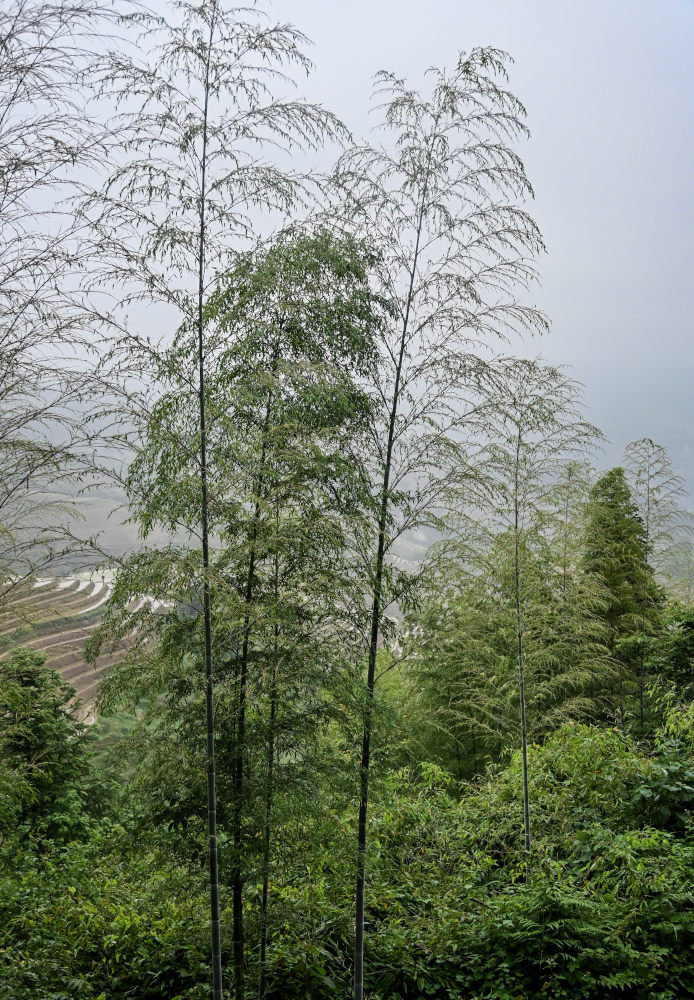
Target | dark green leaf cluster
(45,772)
(616,553)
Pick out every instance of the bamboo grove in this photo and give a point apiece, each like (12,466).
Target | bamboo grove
(398,702)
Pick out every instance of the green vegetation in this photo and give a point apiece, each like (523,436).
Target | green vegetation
(601,906)
(103,849)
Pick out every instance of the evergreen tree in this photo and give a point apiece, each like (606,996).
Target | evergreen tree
(45,765)
(616,555)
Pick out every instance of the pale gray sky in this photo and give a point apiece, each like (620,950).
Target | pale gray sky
(609,90)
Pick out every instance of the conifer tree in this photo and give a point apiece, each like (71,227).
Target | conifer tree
(616,554)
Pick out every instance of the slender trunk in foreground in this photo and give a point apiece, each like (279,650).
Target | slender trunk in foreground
(521,664)
(524,731)
(376,611)
(237,783)
(644,601)
(207,611)
(642,682)
(269,791)
(266,838)
(239,761)
(366,758)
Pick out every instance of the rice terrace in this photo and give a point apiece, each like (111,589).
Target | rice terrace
(56,616)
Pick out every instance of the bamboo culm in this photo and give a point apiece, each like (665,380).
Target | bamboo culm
(239,760)
(521,664)
(215,929)
(269,789)
(376,611)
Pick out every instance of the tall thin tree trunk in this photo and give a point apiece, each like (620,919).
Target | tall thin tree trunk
(269,788)
(564,577)
(238,790)
(215,929)
(642,680)
(519,635)
(366,746)
(644,599)
(240,747)
(376,611)
(237,778)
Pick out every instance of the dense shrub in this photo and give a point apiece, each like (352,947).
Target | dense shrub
(98,920)
(43,750)
(602,908)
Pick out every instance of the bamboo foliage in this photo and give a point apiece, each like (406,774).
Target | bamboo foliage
(566,509)
(659,494)
(462,655)
(195,113)
(540,423)
(177,86)
(443,199)
(45,138)
(515,580)
(306,402)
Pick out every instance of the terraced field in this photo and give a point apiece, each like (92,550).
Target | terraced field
(57,616)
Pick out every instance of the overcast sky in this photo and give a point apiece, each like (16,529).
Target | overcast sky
(609,90)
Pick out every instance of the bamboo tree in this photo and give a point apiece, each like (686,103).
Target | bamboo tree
(566,530)
(539,411)
(462,643)
(658,492)
(269,788)
(290,333)
(457,249)
(197,112)
(570,496)
(458,666)
(215,927)
(285,338)
(519,629)
(535,425)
